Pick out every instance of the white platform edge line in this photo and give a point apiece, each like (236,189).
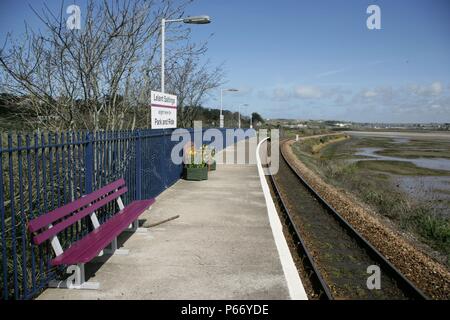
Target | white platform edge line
(294,283)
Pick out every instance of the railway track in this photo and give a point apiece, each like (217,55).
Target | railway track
(334,256)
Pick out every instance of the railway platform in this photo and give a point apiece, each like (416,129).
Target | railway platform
(222,246)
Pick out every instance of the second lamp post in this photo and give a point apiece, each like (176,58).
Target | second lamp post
(221,104)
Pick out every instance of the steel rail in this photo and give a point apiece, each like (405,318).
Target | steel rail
(404,284)
(318,283)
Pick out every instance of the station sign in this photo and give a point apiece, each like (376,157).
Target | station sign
(163,110)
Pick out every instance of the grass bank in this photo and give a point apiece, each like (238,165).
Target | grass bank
(314,145)
(403,168)
(304,132)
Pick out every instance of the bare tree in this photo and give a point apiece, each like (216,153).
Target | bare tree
(191,81)
(100,77)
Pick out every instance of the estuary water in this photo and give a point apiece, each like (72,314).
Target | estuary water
(432,189)
(430,163)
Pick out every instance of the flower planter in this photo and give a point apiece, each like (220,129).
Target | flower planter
(196,174)
(212,166)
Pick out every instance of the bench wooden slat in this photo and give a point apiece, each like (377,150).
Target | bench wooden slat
(47,234)
(90,246)
(50,217)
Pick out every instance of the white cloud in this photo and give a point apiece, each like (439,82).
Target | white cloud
(434,89)
(280,93)
(419,102)
(308,92)
(370,93)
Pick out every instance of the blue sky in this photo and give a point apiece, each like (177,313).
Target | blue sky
(317,59)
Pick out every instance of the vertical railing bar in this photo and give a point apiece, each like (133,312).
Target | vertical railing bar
(112,208)
(3,227)
(114,155)
(57,169)
(105,160)
(109,161)
(166,167)
(82,176)
(88,163)
(97,183)
(70,176)
(108,156)
(63,168)
(30,209)
(136,155)
(77,183)
(44,146)
(64,177)
(50,169)
(103,157)
(126,162)
(22,215)
(81,173)
(44,173)
(102,161)
(38,197)
(118,171)
(138,162)
(144,158)
(13,214)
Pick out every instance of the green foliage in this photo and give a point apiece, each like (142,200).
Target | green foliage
(257,117)
(400,168)
(199,158)
(433,227)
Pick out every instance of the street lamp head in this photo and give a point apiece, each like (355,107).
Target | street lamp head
(197,20)
(232,90)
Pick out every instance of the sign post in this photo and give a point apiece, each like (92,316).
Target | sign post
(164,110)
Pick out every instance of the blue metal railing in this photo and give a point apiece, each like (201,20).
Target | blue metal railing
(41,172)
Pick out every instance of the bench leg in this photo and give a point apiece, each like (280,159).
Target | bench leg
(114,250)
(76,280)
(134,227)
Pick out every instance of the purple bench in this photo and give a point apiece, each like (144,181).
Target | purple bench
(103,239)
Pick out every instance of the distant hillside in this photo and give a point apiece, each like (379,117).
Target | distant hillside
(14,112)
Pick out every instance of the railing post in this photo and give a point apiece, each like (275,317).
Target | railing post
(4,263)
(164,166)
(138,164)
(88,163)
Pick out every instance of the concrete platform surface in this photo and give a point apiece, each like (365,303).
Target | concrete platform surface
(221,247)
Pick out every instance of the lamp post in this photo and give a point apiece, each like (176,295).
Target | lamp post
(244,105)
(189,20)
(221,104)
